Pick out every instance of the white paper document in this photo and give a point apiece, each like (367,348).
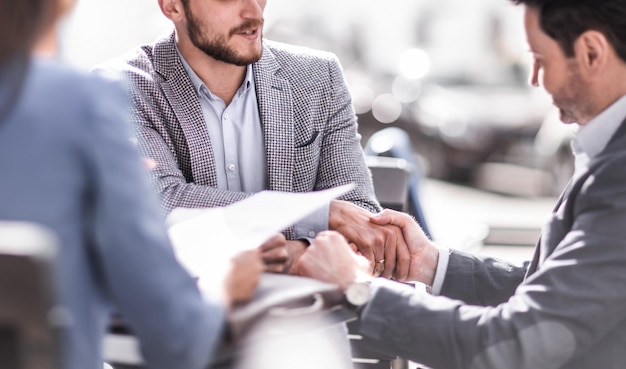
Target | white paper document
(205,239)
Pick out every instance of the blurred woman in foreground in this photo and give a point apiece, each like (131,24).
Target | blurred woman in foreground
(67,164)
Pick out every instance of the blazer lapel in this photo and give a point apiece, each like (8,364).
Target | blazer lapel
(182,98)
(541,246)
(561,221)
(276,111)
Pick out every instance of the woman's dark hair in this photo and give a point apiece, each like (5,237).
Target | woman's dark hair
(566,20)
(21,24)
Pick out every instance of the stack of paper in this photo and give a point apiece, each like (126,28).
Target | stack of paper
(205,239)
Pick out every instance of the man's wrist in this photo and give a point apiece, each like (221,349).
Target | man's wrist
(334,217)
(426,269)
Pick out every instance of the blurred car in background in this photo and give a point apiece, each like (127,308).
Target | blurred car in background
(489,130)
(470,121)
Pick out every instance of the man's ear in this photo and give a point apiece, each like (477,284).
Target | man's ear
(592,51)
(172,9)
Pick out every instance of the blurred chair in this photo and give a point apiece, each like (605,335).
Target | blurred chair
(365,354)
(393,142)
(396,176)
(391,178)
(28,339)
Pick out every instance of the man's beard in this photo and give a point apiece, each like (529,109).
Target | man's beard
(217,48)
(570,98)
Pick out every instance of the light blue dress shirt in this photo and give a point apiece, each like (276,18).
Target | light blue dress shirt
(236,135)
(238,144)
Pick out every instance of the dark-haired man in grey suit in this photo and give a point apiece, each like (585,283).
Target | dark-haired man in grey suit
(225,114)
(567,308)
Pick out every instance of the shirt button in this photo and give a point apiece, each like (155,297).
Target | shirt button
(312,234)
(225,116)
(231,167)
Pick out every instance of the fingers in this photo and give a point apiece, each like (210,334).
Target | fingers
(276,255)
(278,268)
(294,249)
(367,251)
(378,268)
(353,223)
(387,240)
(393,241)
(274,242)
(403,263)
(330,259)
(243,277)
(400,233)
(371,244)
(389,216)
(382,218)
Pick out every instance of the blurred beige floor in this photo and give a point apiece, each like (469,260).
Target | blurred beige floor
(484,222)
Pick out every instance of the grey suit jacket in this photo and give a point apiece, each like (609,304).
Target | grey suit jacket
(66,163)
(308,122)
(569,311)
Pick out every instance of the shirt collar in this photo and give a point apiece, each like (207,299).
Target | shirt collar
(593,137)
(199,85)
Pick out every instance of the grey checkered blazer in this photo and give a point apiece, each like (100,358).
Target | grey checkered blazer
(306,112)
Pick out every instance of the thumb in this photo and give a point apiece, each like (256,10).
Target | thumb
(382,218)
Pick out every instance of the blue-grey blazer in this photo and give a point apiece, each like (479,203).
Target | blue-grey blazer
(66,162)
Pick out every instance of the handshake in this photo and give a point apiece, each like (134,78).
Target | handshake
(390,245)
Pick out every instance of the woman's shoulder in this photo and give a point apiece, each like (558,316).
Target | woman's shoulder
(68,102)
(66,91)
(71,83)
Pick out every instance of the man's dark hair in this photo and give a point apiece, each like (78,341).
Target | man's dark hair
(566,20)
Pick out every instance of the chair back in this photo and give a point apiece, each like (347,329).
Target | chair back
(28,339)
(390,177)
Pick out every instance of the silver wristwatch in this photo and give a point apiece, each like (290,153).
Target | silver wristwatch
(358,294)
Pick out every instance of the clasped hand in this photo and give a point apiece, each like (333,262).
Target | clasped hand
(382,244)
(392,242)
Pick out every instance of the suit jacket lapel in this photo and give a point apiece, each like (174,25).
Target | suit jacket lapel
(182,98)
(277,119)
(546,244)
(540,246)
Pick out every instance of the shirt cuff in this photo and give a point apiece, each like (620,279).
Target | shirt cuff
(442,267)
(316,222)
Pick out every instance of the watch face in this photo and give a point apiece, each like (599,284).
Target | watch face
(358,293)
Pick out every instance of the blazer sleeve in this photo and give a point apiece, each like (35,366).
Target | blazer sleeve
(480,280)
(342,160)
(570,313)
(176,326)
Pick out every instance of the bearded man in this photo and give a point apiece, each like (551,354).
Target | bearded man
(224,113)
